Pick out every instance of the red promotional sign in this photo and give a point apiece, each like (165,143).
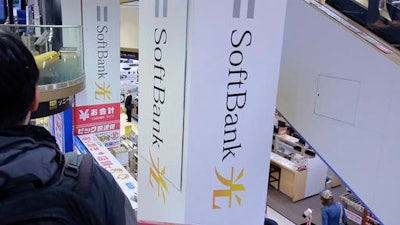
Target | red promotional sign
(96,118)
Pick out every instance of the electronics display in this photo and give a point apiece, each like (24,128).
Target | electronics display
(3,11)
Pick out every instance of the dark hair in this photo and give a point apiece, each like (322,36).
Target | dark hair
(18,78)
(326,202)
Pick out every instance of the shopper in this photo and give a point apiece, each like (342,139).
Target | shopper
(332,213)
(29,154)
(128,105)
(374,19)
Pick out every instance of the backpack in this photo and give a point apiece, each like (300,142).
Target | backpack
(60,203)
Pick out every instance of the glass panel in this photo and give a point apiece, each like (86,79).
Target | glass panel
(57,51)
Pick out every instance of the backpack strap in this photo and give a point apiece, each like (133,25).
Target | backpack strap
(79,167)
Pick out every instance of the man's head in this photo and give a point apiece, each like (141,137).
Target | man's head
(327,194)
(326,197)
(18,79)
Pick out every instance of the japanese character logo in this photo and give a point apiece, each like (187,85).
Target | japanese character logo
(232,188)
(84,115)
(157,174)
(103,92)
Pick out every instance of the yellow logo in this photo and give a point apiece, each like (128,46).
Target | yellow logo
(232,188)
(53,104)
(103,92)
(157,175)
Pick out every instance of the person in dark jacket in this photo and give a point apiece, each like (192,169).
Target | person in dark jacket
(128,105)
(31,151)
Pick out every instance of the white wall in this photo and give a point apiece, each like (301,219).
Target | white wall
(129,26)
(362,149)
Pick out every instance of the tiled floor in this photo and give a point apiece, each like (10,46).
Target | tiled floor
(281,220)
(272,214)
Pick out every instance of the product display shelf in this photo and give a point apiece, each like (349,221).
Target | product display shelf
(356,212)
(133,154)
(290,140)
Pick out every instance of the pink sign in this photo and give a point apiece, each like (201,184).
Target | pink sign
(353,217)
(91,119)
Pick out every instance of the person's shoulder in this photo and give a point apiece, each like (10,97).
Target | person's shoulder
(338,204)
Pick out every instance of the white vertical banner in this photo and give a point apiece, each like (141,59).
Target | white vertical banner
(161,88)
(97,107)
(162,49)
(231,71)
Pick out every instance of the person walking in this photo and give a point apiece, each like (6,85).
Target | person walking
(332,213)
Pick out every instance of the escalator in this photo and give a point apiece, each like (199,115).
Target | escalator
(389,16)
(338,88)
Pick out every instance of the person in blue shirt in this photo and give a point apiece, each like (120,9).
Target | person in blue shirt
(332,213)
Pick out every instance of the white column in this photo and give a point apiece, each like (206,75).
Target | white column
(208,81)
(97,108)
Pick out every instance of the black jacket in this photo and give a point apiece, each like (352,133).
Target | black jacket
(128,101)
(32,150)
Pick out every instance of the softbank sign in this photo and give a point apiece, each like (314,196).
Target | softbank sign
(97,107)
(207,104)
(162,95)
(236,97)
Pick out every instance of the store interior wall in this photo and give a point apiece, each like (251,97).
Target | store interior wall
(71,12)
(129,27)
(354,128)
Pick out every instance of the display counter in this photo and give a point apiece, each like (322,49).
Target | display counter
(302,172)
(300,184)
(292,182)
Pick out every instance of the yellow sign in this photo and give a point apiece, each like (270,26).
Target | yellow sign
(157,175)
(232,188)
(128,130)
(103,91)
